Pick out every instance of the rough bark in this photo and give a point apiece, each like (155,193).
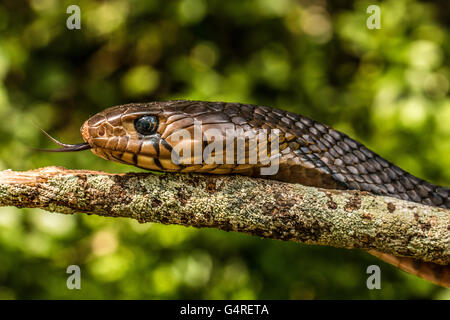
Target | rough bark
(265,208)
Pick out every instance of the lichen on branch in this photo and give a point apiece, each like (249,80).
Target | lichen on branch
(264,208)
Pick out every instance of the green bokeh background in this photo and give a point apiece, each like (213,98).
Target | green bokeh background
(387,88)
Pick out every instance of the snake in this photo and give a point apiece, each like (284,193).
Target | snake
(147,135)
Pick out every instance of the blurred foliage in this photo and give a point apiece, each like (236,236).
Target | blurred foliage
(388,88)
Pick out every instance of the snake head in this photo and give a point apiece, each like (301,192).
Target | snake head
(132,134)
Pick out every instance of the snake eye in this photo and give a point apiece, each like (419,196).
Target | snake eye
(146,125)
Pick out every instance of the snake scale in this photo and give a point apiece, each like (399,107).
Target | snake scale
(309,152)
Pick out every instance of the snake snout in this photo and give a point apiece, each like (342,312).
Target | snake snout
(85,132)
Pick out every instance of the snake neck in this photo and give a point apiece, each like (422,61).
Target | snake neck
(391,181)
(317,155)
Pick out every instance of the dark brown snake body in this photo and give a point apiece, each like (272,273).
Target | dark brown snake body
(310,153)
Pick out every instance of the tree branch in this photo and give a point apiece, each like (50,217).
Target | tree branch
(265,208)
